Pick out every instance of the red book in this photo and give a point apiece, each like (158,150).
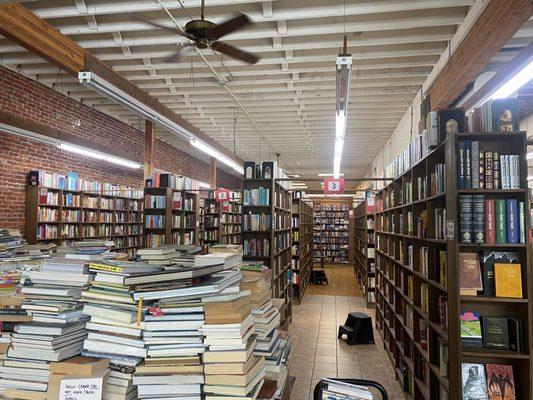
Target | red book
(490,224)
(500,382)
(43,196)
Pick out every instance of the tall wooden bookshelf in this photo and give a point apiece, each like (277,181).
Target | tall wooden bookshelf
(269,203)
(302,246)
(363,249)
(222,221)
(418,312)
(64,216)
(330,231)
(176,215)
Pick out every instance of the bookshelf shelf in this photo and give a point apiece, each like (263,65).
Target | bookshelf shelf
(418,273)
(363,249)
(222,220)
(302,245)
(266,236)
(331,235)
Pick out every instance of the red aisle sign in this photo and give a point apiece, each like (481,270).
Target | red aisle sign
(222,195)
(333,186)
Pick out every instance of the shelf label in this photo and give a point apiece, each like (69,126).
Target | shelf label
(333,186)
(450,229)
(222,195)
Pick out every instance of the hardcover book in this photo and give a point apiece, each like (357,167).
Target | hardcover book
(478,212)
(516,339)
(489,258)
(500,382)
(474,384)
(466,218)
(508,280)
(505,115)
(471,329)
(512,221)
(501,225)
(490,221)
(469,274)
(495,333)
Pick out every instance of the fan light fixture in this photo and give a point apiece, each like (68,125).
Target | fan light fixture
(343,77)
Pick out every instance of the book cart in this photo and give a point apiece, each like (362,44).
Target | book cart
(419,302)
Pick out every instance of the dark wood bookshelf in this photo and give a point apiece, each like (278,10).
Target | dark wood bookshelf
(188,219)
(408,298)
(104,215)
(363,249)
(277,256)
(221,220)
(331,232)
(302,246)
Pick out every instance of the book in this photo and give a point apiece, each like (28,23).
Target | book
(505,115)
(508,280)
(478,215)
(470,274)
(496,333)
(496,168)
(481,155)
(516,339)
(501,225)
(461,174)
(471,329)
(468,164)
(500,382)
(513,229)
(475,164)
(490,221)
(522,221)
(489,258)
(474,383)
(466,218)
(489,170)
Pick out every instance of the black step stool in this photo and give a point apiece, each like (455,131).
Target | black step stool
(318,277)
(358,329)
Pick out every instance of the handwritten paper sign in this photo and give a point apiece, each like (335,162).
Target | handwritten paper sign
(81,389)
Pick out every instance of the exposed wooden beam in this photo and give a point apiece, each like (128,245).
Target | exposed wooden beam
(149,144)
(494,28)
(213,174)
(29,31)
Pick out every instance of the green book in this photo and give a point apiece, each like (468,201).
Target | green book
(501,228)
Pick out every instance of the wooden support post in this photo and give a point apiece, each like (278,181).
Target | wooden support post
(213,174)
(149,144)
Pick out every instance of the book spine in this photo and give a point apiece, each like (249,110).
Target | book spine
(512,221)
(505,171)
(466,218)
(475,164)
(478,211)
(497,170)
(468,164)
(515,172)
(490,216)
(488,280)
(482,169)
(501,230)
(461,164)
(489,176)
(522,221)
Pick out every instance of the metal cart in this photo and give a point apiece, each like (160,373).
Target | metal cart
(317,394)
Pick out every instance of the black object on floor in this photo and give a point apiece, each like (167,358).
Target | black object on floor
(321,385)
(358,329)
(318,277)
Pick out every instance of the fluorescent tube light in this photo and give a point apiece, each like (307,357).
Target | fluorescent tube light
(204,185)
(293,175)
(330,175)
(13,130)
(530,178)
(515,83)
(529,156)
(218,155)
(99,156)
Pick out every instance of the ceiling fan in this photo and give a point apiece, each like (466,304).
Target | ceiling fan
(206,34)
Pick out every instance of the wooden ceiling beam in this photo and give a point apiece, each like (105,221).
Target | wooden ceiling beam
(29,31)
(494,28)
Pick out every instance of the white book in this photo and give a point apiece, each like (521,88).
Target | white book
(27,371)
(175,352)
(173,325)
(175,317)
(113,348)
(110,313)
(120,330)
(24,377)
(171,339)
(46,355)
(116,339)
(172,390)
(153,334)
(51,291)
(241,327)
(235,390)
(9,383)
(168,379)
(114,323)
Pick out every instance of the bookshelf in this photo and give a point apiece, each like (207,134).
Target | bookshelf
(302,246)
(363,249)
(266,234)
(419,295)
(201,220)
(330,231)
(171,216)
(222,221)
(63,216)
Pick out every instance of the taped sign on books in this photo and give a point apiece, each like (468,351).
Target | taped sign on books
(333,186)
(222,195)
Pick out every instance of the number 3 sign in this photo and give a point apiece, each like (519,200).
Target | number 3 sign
(333,186)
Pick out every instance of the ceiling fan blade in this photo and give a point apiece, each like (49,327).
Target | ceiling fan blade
(235,52)
(158,26)
(231,25)
(178,55)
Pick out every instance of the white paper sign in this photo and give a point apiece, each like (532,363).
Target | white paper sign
(81,389)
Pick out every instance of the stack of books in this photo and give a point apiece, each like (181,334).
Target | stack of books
(57,329)
(115,328)
(10,239)
(232,371)
(163,255)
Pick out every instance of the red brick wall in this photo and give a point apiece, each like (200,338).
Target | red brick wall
(26,98)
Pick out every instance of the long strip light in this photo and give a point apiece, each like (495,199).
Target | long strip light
(326,175)
(216,154)
(204,185)
(343,77)
(107,89)
(515,83)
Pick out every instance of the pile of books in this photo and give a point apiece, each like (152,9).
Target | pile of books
(10,240)
(57,327)
(232,371)
(88,250)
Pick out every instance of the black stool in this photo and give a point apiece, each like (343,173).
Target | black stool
(358,329)
(318,277)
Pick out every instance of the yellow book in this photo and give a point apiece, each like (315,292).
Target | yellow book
(508,280)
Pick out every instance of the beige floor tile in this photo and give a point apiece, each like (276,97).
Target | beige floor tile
(326,359)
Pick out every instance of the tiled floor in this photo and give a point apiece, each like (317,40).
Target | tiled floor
(317,352)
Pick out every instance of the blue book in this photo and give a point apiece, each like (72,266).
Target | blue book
(513,228)
(468,164)
(461,164)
